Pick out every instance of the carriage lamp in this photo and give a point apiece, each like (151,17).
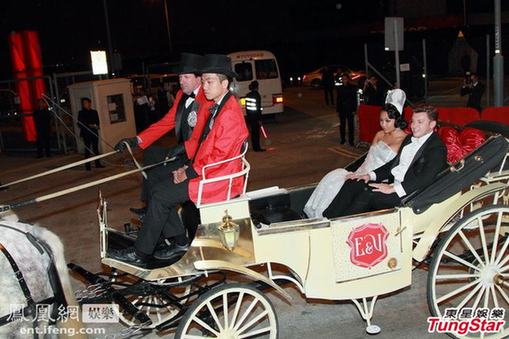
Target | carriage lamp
(229,232)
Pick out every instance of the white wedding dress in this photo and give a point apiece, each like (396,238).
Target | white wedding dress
(378,155)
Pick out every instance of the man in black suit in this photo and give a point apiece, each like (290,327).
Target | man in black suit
(421,157)
(88,122)
(346,105)
(475,90)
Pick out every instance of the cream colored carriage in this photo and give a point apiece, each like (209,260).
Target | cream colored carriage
(460,234)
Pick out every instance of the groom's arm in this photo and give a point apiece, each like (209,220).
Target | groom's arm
(383,172)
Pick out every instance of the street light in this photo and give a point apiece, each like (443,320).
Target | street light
(166,17)
(498,60)
(167,24)
(108,35)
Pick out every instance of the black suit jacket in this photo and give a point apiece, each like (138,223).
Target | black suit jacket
(346,101)
(427,163)
(88,117)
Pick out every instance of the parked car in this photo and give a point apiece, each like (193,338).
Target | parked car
(314,78)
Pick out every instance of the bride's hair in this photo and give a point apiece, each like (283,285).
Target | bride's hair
(393,113)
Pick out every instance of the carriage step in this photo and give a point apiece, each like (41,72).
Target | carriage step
(89,276)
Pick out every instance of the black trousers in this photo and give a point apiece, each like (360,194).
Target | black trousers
(254,126)
(345,117)
(357,197)
(91,143)
(43,143)
(329,95)
(162,218)
(152,155)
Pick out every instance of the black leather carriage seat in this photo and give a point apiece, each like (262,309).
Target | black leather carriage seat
(272,209)
(470,169)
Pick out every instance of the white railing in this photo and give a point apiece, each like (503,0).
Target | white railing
(243,172)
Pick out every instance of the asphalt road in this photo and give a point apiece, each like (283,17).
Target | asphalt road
(304,147)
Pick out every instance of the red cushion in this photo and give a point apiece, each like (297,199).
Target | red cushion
(471,138)
(460,144)
(450,138)
(457,115)
(500,114)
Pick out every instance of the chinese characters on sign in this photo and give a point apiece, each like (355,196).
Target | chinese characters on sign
(91,313)
(468,320)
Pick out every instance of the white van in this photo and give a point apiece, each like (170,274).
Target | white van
(261,66)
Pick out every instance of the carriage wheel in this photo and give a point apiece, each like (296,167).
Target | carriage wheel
(470,267)
(230,311)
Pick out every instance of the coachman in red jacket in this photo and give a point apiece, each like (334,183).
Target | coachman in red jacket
(185,117)
(224,133)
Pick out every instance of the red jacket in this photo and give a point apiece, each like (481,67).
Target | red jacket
(224,141)
(167,123)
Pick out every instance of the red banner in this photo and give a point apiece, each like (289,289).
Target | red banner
(27,62)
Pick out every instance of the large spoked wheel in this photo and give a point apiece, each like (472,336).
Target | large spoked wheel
(470,267)
(230,311)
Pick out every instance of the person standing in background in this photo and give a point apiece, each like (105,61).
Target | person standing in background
(373,92)
(88,122)
(254,114)
(42,119)
(346,105)
(328,85)
(474,89)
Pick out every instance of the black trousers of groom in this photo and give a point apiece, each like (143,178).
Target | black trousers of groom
(358,197)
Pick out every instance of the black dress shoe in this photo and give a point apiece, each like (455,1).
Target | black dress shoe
(128,255)
(170,252)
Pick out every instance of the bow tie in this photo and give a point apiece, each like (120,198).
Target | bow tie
(213,109)
(190,95)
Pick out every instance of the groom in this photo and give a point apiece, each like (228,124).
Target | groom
(421,157)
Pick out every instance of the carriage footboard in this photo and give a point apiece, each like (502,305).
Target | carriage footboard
(102,291)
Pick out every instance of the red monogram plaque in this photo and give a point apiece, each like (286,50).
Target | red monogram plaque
(368,244)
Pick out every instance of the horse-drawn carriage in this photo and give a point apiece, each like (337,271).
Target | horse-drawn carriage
(459,226)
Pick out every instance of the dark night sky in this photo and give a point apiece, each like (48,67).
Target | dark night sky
(70,28)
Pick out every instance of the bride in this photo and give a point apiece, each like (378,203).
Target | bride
(384,148)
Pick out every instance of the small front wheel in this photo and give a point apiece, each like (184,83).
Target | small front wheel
(230,311)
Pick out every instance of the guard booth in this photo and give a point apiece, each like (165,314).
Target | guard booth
(112,99)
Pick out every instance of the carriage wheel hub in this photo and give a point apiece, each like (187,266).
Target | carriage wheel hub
(487,275)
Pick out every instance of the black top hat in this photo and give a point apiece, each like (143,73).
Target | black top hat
(190,63)
(218,63)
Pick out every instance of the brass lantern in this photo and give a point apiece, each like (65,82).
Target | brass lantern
(229,232)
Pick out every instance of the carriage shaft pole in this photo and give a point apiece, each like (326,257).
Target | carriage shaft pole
(58,169)
(79,187)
